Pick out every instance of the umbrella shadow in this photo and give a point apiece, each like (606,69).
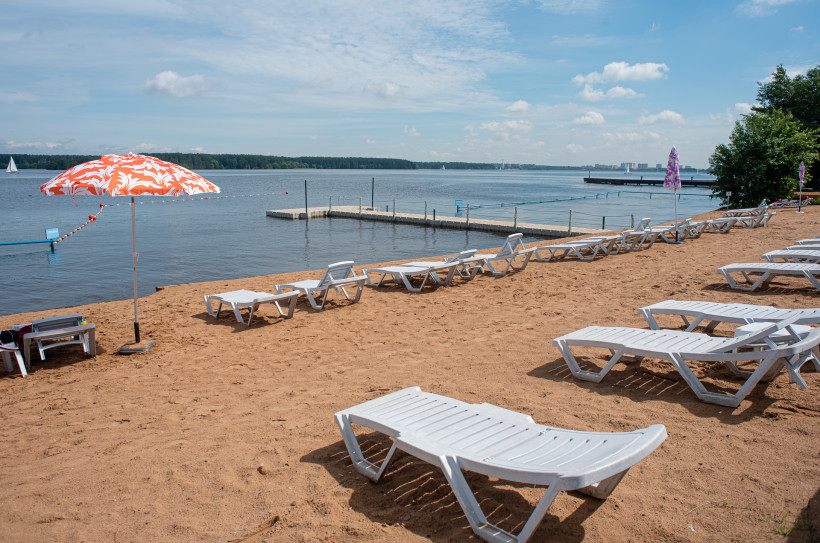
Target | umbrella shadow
(415,495)
(642,381)
(806,527)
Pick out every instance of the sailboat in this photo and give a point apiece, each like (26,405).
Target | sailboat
(12,167)
(627,169)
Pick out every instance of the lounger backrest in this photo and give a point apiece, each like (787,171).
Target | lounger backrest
(743,341)
(462,255)
(339,270)
(57,322)
(643,224)
(511,245)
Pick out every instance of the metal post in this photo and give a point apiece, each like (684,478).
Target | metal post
(306,208)
(394,211)
(330,205)
(468,216)
(360,207)
(135,258)
(425,212)
(603,222)
(372,191)
(515,219)
(569,227)
(632,221)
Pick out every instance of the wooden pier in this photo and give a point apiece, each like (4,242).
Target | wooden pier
(458,223)
(691,182)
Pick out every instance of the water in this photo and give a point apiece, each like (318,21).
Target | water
(196,239)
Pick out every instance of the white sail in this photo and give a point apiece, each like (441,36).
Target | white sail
(12,167)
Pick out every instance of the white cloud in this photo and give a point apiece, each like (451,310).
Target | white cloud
(412,132)
(665,116)
(519,106)
(570,7)
(759,8)
(591,117)
(32,144)
(383,89)
(623,71)
(591,94)
(574,148)
(170,82)
(798,29)
(15,97)
(632,137)
(501,131)
(742,108)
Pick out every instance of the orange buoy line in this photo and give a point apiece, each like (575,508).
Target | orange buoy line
(91,218)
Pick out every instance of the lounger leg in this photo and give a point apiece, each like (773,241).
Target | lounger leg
(586,375)
(360,464)
(238,314)
(476,518)
(602,489)
(811,277)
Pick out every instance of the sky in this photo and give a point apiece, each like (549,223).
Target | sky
(549,82)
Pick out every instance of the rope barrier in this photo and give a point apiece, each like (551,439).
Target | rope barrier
(200,198)
(91,218)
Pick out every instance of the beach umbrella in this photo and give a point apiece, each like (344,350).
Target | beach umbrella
(801,172)
(129,175)
(672,182)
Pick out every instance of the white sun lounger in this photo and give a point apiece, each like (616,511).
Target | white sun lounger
(247,298)
(762,208)
(694,313)
(793,255)
(469,265)
(680,347)
(495,442)
(721,225)
(511,252)
(59,327)
(584,249)
(667,233)
(754,221)
(402,274)
(808,241)
(768,271)
(337,276)
(7,350)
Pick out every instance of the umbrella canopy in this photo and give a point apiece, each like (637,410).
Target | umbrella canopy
(672,181)
(129,175)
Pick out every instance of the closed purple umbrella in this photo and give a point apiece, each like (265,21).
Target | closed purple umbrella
(672,182)
(802,172)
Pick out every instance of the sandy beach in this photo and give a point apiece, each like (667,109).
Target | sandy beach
(225,433)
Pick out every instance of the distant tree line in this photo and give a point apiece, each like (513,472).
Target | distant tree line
(200,161)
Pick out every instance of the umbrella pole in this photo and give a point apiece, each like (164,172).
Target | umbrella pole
(133,347)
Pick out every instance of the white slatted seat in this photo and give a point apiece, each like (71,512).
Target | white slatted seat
(694,313)
(721,225)
(679,348)
(768,271)
(238,299)
(585,249)
(754,221)
(512,252)
(429,272)
(793,255)
(482,438)
(338,276)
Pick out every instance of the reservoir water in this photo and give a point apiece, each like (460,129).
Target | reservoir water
(192,239)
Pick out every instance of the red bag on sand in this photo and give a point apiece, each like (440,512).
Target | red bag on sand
(20,333)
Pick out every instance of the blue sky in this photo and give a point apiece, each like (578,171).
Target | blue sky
(559,82)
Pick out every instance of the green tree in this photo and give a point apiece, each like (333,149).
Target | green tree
(762,159)
(799,96)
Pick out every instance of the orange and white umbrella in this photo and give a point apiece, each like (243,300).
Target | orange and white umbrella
(129,175)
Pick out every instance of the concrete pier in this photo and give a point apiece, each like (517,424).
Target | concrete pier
(458,223)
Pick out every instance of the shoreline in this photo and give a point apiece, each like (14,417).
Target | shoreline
(226,432)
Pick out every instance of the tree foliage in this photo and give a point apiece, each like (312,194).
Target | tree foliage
(762,159)
(799,96)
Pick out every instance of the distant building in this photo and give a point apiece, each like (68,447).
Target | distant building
(642,166)
(659,166)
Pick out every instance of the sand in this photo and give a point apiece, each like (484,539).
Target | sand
(225,433)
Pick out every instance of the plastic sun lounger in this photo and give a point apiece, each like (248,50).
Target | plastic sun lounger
(768,271)
(7,350)
(809,241)
(469,265)
(762,208)
(247,298)
(754,221)
(679,347)
(482,438)
(585,249)
(512,250)
(721,225)
(694,313)
(337,276)
(402,274)
(59,327)
(793,255)
(667,233)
